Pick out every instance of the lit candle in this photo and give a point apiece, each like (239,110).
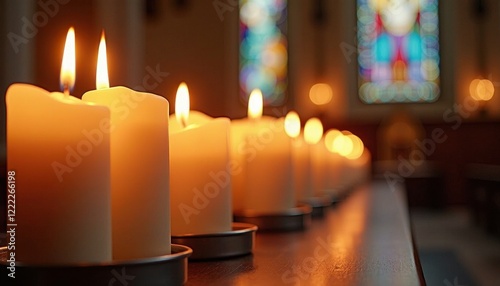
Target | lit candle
(200,170)
(300,156)
(333,165)
(313,136)
(342,145)
(357,165)
(261,147)
(139,167)
(58,147)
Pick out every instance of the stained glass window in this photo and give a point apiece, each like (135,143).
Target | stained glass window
(263,49)
(398,50)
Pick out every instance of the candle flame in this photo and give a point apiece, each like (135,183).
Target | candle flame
(255,104)
(313,131)
(182,104)
(343,144)
(102,78)
(330,136)
(68,66)
(292,124)
(357,147)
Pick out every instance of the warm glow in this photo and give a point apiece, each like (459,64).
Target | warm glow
(292,124)
(346,132)
(102,78)
(182,104)
(255,104)
(313,131)
(485,90)
(68,66)
(357,147)
(330,137)
(481,89)
(343,145)
(473,88)
(320,93)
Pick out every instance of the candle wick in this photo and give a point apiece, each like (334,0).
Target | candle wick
(183,122)
(66,89)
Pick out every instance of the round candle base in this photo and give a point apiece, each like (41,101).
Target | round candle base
(236,242)
(319,205)
(297,218)
(170,269)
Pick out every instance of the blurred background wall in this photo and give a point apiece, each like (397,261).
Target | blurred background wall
(194,42)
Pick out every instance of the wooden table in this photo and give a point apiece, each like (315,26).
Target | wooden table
(365,240)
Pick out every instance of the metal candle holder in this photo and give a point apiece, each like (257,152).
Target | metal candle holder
(296,218)
(319,205)
(236,242)
(170,269)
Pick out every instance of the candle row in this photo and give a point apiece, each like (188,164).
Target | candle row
(92,174)
(99,178)
(325,163)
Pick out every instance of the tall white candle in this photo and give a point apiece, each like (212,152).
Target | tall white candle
(58,147)
(313,133)
(300,156)
(200,170)
(358,162)
(139,168)
(261,146)
(333,165)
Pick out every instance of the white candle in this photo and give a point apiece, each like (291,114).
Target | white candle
(313,133)
(318,154)
(301,168)
(58,147)
(200,170)
(260,145)
(300,156)
(333,165)
(358,162)
(139,168)
(358,170)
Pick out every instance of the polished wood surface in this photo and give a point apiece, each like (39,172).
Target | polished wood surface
(364,240)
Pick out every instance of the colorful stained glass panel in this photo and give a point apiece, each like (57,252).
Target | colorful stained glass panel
(398,50)
(263,49)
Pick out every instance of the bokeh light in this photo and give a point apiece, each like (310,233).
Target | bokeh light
(330,138)
(357,147)
(481,89)
(263,49)
(343,145)
(313,131)
(292,124)
(320,94)
(473,88)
